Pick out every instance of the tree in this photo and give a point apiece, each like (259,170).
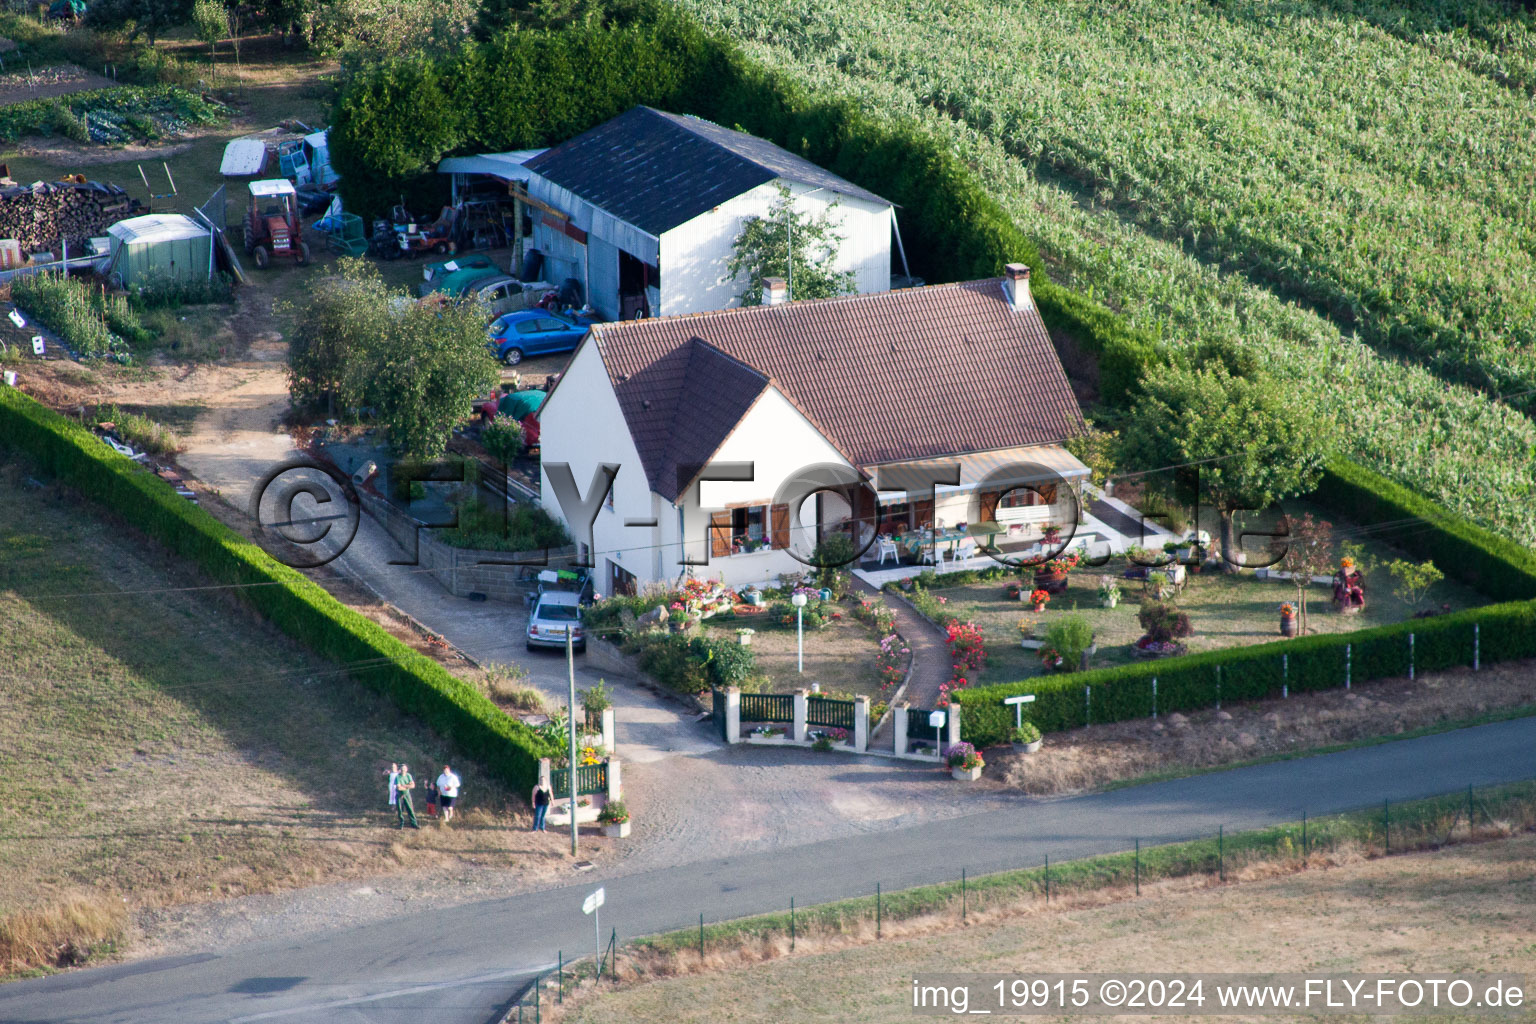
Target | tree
(760,251)
(1414,579)
(146,17)
(211,23)
(503,439)
(1308,553)
(1252,443)
(417,367)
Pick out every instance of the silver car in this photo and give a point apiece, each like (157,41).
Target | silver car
(554,613)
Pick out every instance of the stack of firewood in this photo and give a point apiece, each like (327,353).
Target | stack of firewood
(40,216)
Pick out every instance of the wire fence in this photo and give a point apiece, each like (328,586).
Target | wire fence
(1220,857)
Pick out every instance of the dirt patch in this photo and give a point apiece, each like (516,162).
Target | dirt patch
(840,656)
(1089,758)
(41,83)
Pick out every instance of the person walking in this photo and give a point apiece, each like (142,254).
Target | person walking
(394,774)
(542,795)
(447,792)
(404,783)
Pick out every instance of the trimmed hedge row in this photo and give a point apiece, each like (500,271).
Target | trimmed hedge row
(1489,563)
(538,88)
(1477,557)
(507,748)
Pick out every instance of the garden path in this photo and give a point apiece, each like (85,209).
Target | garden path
(930,658)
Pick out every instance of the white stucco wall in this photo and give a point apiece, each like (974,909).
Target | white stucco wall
(779,441)
(694,255)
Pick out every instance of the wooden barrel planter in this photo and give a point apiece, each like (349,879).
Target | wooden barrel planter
(1051,582)
(1287,625)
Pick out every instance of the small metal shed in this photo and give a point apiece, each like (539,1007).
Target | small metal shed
(159,247)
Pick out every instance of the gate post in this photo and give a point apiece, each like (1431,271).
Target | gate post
(615,781)
(733,714)
(544,773)
(860,724)
(802,708)
(608,730)
(952,726)
(899,723)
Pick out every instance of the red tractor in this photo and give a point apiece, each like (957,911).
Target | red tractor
(272,225)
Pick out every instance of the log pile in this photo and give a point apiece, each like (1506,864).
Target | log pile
(38,216)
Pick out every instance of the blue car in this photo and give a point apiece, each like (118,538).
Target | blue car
(534,332)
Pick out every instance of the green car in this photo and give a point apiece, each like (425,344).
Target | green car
(479,278)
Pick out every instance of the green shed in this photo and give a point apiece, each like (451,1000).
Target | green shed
(159,246)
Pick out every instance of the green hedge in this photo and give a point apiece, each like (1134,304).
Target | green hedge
(300,608)
(1497,567)
(537,88)
(1477,557)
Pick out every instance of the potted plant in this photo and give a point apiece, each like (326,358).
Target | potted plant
(1026,738)
(965,762)
(1109,592)
(1015,591)
(906,583)
(1051,534)
(1287,619)
(1038,598)
(1051,658)
(744,636)
(614,817)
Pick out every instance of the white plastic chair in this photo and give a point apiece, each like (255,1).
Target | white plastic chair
(885,548)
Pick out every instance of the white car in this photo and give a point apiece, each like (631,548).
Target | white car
(501,295)
(555,612)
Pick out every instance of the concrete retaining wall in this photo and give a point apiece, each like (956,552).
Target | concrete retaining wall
(461,571)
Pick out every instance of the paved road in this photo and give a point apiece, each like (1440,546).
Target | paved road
(455,965)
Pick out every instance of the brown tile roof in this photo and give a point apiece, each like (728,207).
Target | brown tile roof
(907,374)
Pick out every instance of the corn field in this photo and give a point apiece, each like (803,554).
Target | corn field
(1346,187)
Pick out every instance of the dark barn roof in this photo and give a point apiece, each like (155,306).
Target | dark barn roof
(657,170)
(885,377)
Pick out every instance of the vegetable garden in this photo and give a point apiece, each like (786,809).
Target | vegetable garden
(1345,192)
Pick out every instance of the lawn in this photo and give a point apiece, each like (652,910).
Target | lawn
(1468,908)
(840,656)
(1303,180)
(160,745)
(1224,610)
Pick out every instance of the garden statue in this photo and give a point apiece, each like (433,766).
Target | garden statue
(1348,588)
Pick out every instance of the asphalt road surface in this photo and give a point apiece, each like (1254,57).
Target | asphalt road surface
(457,965)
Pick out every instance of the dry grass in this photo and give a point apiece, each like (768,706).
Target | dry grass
(162,744)
(1102,754)
(840,656)
(65,931)
(1466,908)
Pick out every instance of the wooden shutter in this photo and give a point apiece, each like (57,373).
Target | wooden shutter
(922,512)
(1047,494)
(779,537)
(989,500)
(719,534)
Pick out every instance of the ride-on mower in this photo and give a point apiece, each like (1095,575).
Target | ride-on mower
(272,225)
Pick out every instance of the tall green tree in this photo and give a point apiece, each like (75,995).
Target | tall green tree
(417,367)
(141,17)
(766,246)
(1254,445)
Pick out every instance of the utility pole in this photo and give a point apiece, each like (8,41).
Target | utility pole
(570,670)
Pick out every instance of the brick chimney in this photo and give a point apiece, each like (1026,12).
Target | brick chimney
(1016,287)
(775,292)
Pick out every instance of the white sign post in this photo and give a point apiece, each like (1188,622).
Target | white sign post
(589,906)
(1018,708)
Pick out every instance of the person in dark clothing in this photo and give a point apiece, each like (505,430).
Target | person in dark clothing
(542,795)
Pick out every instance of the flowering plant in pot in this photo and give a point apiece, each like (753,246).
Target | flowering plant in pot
(1015,591)
(614,817)
(1287,619)
(1038,597)
(1026,738)
(1051,533)
(1051,658)
(965,761)
(1109,592)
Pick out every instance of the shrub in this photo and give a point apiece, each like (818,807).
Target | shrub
(525,527)
(613,813)
(503,439)
(1070,636)
(1163,622)
(1029,732)
(139,431)
(160,292)
(419,686)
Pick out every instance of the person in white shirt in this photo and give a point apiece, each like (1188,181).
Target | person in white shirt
(394,774)
(447,792)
